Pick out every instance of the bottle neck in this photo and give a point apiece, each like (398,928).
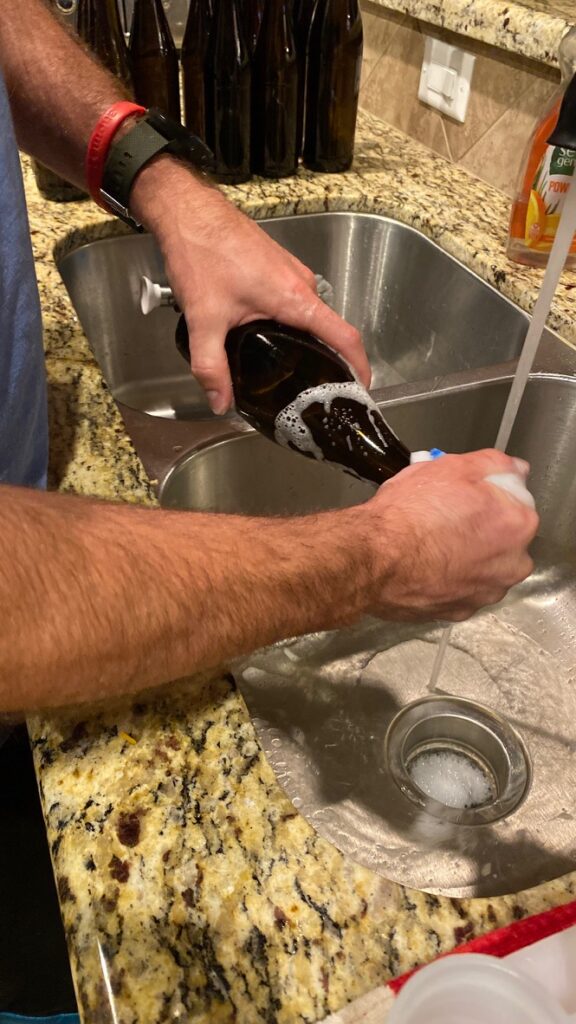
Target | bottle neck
(276,40)
(197,27)
(150,28)
(229,42)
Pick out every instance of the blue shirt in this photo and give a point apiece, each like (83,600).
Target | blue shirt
(23,406)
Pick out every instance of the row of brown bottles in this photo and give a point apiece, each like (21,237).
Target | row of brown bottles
(301,394)
(300,60)
(261,77)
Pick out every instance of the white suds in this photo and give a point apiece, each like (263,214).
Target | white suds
(451,778)
(291,430)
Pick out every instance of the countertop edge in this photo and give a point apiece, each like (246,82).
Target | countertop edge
(508,26)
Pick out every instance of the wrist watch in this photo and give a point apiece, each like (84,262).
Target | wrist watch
(152,134)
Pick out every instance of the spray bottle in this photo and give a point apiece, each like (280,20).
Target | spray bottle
(544,179)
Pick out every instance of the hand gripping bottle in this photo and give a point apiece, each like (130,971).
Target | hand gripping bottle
(301,394)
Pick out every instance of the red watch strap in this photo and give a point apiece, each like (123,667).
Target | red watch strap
(100,142)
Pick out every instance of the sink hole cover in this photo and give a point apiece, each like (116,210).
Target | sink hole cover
(322,706)
(452,778)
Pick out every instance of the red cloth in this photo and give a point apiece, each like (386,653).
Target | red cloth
(507,940)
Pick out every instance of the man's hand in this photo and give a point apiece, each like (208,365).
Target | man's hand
(449,542)
(224,271)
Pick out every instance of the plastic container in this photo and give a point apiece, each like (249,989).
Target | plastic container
(544,180)
(474,989)
(512,483)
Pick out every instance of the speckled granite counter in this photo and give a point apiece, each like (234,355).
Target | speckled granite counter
(90,451)
(531,28)
(190,887)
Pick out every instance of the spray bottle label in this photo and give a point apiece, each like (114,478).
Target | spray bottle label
(547,197)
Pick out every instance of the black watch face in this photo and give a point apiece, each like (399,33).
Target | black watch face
(182,142)
(162,123)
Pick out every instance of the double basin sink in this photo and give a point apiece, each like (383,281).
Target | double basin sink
(442,345)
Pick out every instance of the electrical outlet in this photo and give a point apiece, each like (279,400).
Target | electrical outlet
(446,77)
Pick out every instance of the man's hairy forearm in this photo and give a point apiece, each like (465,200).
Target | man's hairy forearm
(57,91)
(98,599)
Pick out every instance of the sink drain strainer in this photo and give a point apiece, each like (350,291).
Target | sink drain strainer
(364,748)
(457,760)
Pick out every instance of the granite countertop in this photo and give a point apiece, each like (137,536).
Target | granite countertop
(531,28)
(189,885)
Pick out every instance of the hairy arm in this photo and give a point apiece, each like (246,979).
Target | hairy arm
(57,90)
(97,599)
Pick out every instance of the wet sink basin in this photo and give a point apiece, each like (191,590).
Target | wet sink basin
(323,704)
(422,314)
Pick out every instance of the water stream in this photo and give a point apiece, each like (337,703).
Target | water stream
(558,254)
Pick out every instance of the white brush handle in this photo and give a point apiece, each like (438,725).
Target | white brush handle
(510,482)
(515,486)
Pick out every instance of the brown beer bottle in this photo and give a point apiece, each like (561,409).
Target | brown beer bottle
(303,10)
(252,12)
(100,27)
(275,94)
(332,85)
(153,59)
(227,93)
(301,394)
(193,58)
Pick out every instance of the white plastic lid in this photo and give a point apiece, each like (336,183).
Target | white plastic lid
(474,989)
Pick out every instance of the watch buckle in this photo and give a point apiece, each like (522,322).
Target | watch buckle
(120,211)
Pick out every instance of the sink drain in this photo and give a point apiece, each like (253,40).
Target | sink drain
(457,760)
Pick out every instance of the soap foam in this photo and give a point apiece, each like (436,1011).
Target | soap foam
(451,778)
(291,431)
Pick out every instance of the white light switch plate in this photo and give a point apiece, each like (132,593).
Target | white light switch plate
(446,77)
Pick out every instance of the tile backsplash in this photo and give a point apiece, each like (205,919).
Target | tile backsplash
(508,95)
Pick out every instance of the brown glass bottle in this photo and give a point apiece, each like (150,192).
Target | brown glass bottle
(193,58)
(252,12)
(100,28)
(303,10)
(332,85)
(275,94)
(227,94)
(153,59)
(303,395)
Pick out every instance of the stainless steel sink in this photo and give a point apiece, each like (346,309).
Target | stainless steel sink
(329,708)
(422,314)
(323,704)
(247,474)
